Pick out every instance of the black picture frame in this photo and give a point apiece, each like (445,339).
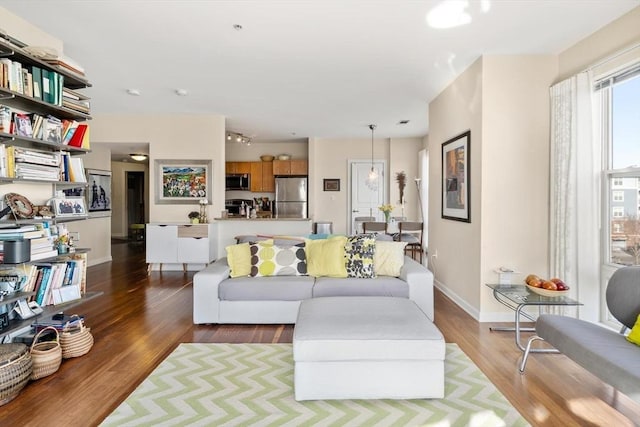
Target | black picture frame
(456,178)
(331,184)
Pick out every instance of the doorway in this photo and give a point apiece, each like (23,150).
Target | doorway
(365,199)
(135,205)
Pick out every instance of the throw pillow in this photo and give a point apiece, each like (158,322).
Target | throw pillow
(358,253)
(239,259)
(325,257)
(634,335)
(389,258)
(274,260)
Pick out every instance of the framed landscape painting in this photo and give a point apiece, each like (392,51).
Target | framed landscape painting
(182,181)
(456,154)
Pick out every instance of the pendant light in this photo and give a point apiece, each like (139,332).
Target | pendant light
(372,179)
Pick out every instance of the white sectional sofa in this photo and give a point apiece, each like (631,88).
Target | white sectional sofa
(218,298)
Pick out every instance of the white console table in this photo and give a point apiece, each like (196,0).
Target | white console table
(181,246)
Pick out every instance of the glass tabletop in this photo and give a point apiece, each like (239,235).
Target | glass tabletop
(519,294)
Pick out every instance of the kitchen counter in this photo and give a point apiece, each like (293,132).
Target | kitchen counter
(261,219)
(229,228)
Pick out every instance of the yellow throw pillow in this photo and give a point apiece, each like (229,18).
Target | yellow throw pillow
(388,258)
(634,335)
(325,257)
(239,259)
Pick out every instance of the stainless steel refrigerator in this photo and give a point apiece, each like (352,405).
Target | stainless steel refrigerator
(291,197)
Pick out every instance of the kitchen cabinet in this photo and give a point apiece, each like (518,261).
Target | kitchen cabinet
(290,167)
(181,246)
(262,177)
(237,167)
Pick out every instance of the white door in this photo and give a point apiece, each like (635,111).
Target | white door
(365,199)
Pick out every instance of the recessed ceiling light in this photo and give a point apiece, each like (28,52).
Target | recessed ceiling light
(403,122)
(138,157)
(237,27)
(181,92)
(133,92)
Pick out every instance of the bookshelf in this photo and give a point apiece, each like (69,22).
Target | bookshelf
(34,91)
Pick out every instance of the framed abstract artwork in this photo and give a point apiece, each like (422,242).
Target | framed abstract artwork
(456,197)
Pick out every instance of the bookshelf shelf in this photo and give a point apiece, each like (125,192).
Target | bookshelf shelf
(27,142)
(36,106)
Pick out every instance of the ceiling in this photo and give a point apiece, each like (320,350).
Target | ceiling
(297,69)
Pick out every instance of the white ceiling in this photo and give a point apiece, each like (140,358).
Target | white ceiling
(297,69)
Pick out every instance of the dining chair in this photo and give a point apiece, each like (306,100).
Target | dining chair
(358,221)
(411,232)
(374,226)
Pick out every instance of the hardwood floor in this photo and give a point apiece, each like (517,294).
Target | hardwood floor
(140,319)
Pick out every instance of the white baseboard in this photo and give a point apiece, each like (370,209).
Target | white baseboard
(99,261)
(472,311)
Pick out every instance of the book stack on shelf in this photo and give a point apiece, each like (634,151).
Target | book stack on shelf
(39,234)
(30,80)
(44,128)
(53,283)
(75,101)
(32,164)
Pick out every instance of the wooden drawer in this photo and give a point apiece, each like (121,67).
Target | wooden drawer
(193,230)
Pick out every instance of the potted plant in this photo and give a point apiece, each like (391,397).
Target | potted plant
(194,217)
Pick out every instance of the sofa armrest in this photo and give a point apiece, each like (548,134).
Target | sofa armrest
(420,281)
(206,302)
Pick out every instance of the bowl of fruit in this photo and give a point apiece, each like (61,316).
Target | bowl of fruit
(549,288)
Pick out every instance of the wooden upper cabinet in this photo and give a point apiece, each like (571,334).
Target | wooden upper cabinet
(299,167)
(290,167)
(262,177)
(268,182)
(237,167)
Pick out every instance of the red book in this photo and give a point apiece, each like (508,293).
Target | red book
(78,135)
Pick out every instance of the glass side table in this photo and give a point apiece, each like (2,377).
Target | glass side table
(517,297)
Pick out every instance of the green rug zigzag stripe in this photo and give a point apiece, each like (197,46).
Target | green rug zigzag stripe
(252,385)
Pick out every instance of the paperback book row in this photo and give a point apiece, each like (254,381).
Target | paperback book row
(41,84)
(32,164)
(42,238)
(53,283)
(45,128)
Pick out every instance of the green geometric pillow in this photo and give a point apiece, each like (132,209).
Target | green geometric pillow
(273,260)
(359,252)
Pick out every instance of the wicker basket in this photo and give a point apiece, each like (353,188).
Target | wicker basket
(75,341)
(15,370)
(46,356)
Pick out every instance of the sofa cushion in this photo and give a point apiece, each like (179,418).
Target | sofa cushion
(274,260)
(389,258)
(359,253)
(380,286)
(325,257)
(634,335)
(275,288)
(239,259)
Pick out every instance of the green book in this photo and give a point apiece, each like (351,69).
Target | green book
(37,82)
(46,86)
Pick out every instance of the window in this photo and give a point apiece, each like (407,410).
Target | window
(618,196)
(617,212)
(620,95)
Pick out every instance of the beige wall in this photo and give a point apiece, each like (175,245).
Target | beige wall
(235,152)
(179,137)
(503,101)
(613,38)
(515,183)
(457,244)
(403,157)
(22,30)
(119,219)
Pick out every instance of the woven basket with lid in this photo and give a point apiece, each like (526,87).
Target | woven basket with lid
(15,370)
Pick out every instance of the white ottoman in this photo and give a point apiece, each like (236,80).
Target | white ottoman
(366,348)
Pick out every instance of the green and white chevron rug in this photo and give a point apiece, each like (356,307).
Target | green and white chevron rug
(252,385)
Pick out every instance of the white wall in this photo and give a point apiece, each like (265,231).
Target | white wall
(175,137)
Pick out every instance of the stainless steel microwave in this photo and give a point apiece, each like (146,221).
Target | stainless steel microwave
(238,181)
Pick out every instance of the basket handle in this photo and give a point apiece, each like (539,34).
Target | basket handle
(71,319)
(37,337)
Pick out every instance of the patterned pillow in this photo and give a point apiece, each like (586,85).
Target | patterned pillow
(359,251)
(274,260)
